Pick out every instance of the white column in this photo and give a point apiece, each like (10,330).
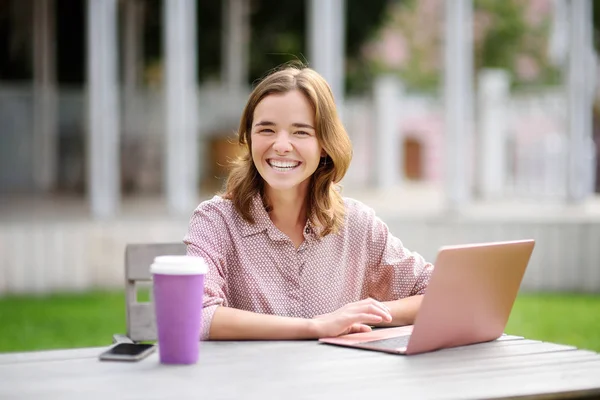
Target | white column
(388,157)
(326,43)
(494,87)
(181,105)
(103,108)
(580,83)
(558,40)
(45,148)
(133,34)
(458,99)
(235,45)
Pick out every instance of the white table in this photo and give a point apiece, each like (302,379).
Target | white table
(511,367)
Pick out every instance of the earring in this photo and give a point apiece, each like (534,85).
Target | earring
(324,161)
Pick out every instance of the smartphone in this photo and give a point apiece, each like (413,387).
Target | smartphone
(128,352)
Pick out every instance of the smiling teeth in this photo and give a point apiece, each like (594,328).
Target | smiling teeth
(283,164)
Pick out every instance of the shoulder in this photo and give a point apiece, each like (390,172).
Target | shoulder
(209,230)
(363,224)
(357,210)
(217,205)
(363,228)
(360,217)
(215,212)
(212,222)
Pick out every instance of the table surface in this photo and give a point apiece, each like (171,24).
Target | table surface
(511,367)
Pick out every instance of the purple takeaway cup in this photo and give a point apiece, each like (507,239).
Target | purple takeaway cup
(178,289)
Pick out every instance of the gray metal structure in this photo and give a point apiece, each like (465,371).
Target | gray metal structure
(141,322)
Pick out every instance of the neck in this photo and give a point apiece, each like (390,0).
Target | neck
(288,209)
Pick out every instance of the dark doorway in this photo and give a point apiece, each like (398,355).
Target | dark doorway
(413,159)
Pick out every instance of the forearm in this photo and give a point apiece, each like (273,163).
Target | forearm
(233,324)
(403,311)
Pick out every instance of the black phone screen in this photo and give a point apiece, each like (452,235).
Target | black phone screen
(129,349)
(128,352)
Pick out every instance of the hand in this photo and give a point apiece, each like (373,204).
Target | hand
(351,318)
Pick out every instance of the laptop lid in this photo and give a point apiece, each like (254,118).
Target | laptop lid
(470,295)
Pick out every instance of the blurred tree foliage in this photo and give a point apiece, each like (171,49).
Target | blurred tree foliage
(508,34)
(278,32)
(504,38)
(409,43)
(503,29)
(512,40)
(278,35)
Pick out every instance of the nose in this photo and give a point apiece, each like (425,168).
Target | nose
(282,143)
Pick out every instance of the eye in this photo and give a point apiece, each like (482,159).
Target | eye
(302,133)
(266,131)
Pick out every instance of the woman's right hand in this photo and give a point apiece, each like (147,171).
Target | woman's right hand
(351,318)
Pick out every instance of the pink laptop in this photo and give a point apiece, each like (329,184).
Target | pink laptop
(468,300)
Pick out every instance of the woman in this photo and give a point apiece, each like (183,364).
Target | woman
(289,258)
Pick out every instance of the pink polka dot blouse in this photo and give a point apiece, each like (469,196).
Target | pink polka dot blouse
(255,267)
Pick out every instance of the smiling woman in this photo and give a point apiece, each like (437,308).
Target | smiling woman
(301,99)
(288,256)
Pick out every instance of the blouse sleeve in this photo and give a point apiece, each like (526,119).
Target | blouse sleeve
(206,238)
(394,271)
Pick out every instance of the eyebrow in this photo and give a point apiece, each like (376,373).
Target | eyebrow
(295,124)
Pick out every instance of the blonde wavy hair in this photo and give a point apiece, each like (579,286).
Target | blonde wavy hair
(325,206)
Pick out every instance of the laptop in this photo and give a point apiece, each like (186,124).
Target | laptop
(468,300)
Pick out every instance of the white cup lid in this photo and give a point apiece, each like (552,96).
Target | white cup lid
(179,265)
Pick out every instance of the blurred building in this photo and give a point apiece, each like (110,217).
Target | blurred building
(127,126)
(115,129)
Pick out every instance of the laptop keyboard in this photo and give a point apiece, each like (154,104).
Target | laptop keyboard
(391,343)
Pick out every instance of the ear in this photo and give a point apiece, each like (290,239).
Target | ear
(323,153)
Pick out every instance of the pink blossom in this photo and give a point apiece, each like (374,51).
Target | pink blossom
(527,67)
(537,10)
(394,48)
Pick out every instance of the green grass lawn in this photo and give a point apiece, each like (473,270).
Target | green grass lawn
(61,321)
(90,319)
(568,319)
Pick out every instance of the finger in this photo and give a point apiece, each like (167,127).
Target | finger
(358,328)
(382,306)
(375,310)
(378,304)
(365,318)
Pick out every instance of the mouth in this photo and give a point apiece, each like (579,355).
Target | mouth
(283,166)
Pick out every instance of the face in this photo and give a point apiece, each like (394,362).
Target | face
(285,148)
